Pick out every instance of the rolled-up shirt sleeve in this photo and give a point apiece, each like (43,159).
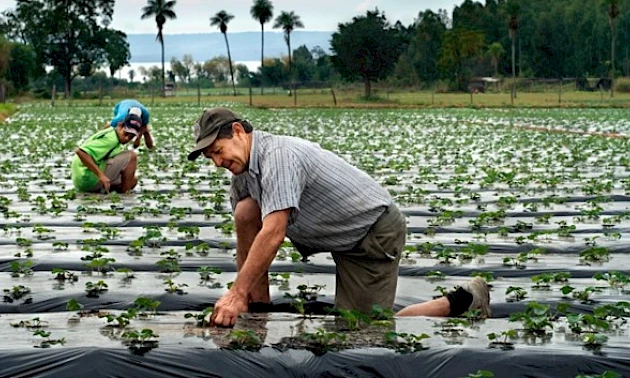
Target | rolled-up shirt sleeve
(283,179)
(238,189)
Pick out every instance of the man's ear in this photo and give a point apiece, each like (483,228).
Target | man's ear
(237,128)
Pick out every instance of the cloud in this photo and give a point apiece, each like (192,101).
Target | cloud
(363,6)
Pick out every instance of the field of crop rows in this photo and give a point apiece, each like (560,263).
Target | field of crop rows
(119,285)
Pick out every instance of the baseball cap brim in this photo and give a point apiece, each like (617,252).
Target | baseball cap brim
(202,145)
(130,130)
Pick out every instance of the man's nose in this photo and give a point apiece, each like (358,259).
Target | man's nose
(217,161)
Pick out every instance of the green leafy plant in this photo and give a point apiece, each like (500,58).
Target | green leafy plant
(586,323)
(536,319)
(17,292)
(60,246)
(481,374)
(64,275)
(21,268)
(515,294)
(406,342)
(435,275)
(174,288)
(206,273)
(324,341)
(500,340)
(594,340)
(190,232)
(616,280)
(144,305)
(94,289)
(203,318)
(140,341)
(583,295)
(244,339)
(34,323)
(48,342)
(119,321)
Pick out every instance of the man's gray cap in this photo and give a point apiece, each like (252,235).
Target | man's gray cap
(207,128)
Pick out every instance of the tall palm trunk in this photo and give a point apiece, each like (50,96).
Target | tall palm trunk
(513,90)
(290,63)
(613,39)
(262,54)
(162,91)
(227,44)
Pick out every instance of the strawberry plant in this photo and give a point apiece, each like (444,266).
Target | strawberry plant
(48,342)
(203,318)
(406,342)
(616,280)
(244,340)
(480,374)
(594,340)
(17,292)
(94,289)
(206,273)
(119,321)
(34,323)
(144,305)
(536,319)
(140,341)
(324,341)
(21,268)
(190,232)
(64,275)
(174,288)
(500,340)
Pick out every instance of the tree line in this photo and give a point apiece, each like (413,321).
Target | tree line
(501,38)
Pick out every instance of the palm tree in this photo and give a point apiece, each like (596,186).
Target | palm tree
(262,10)
(162,10)
(612,8)
(513,9)
(495,51)
(222,19)
(288,21)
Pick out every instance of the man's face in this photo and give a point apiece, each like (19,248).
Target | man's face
(123,136)
(233,153)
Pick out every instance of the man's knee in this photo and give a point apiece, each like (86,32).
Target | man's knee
(133,158)
(247,212)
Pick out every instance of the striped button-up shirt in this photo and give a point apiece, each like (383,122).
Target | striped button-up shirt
(333,204)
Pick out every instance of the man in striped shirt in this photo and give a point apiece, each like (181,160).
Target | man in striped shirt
(289,187)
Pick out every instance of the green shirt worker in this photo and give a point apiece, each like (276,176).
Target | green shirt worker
(103,164)
(289,187)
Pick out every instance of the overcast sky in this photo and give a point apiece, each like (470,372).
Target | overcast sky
(193,15)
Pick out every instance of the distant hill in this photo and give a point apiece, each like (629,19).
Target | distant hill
(244,46)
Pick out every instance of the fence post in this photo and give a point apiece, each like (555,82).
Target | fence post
(100,93)
(198,93)
(560,93)
(54,94)
(333,94)
(250,95)
(294,95)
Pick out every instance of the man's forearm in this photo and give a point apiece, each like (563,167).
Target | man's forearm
(148,140)
(260,256)
(87,160)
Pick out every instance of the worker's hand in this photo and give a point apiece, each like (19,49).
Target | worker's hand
(227,309)
(105,182)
